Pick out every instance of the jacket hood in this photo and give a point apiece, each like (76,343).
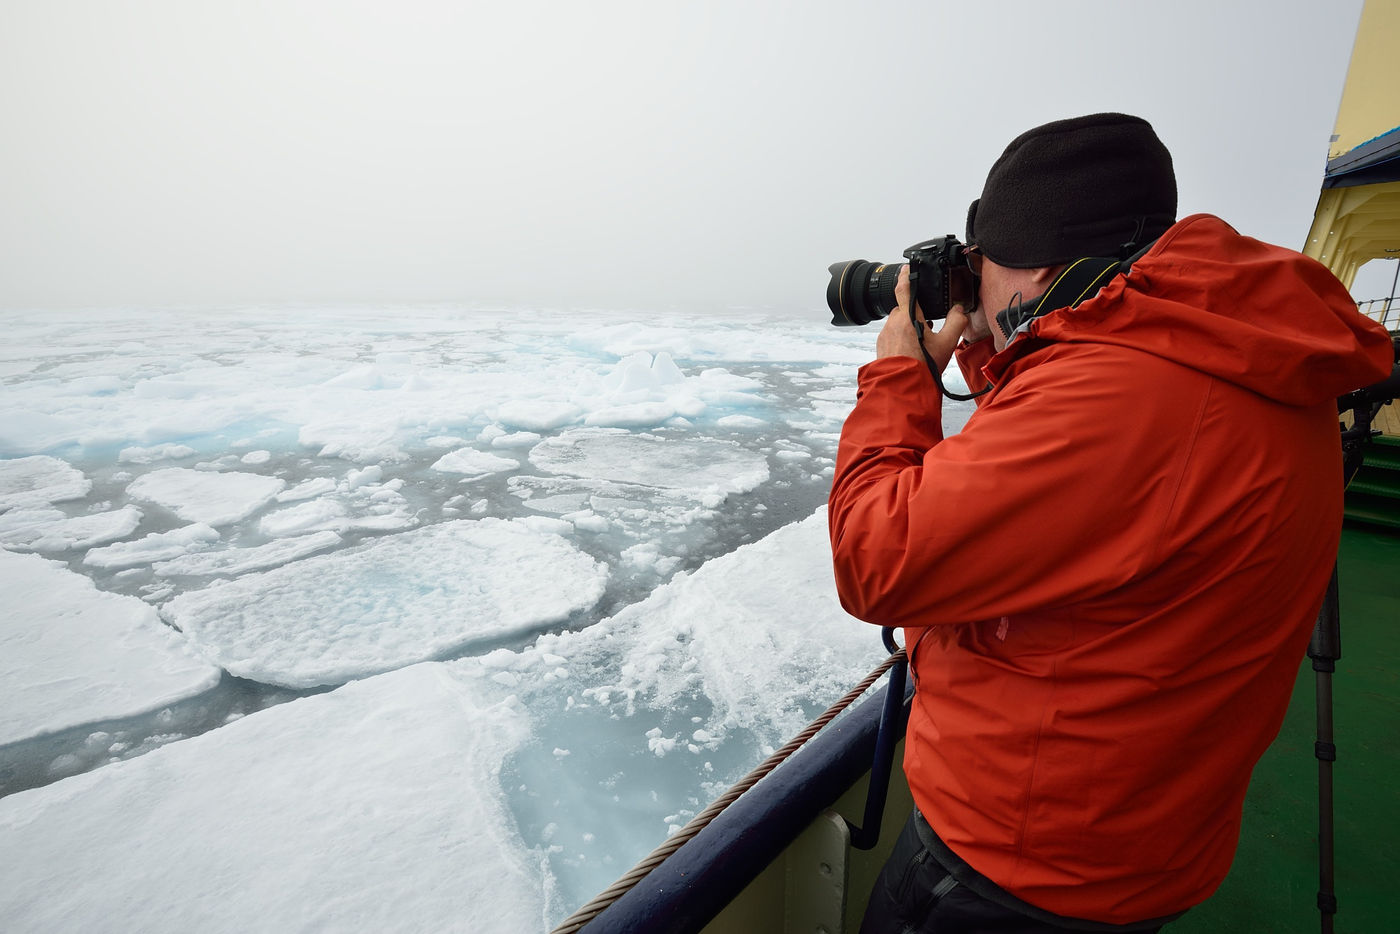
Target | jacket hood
(1263,317)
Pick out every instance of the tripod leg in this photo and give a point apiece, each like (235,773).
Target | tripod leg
(1324,650)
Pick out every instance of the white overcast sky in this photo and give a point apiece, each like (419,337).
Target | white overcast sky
(704,155)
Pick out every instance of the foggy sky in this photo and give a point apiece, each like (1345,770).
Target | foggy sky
(612,154)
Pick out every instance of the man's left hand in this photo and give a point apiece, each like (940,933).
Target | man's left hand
(897,337)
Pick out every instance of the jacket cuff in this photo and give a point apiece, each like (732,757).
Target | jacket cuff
(971,358)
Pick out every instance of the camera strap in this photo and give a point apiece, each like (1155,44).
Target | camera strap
(919,328)
(1080,280)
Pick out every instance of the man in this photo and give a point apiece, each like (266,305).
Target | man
(1108,579)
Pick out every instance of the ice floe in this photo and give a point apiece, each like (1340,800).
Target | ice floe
(473,464)
(237,561)
(389,602)
(701,465)
(159,452)
(537,414)
(158,546)
(40,480)
(358,503)
(50,530)
(318,514)
(375,807)
(71,654)
(306,490)
(759,632)
(205,496)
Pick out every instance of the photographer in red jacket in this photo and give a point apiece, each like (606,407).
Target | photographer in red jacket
(1108,578)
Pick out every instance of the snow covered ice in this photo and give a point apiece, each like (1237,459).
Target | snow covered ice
(73,654)
(298,606)
(205,496)
(389,602)
(39,480)
(358,810)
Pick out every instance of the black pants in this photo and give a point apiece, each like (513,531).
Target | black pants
(916,895)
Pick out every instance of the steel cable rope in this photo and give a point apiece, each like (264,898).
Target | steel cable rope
(612,893)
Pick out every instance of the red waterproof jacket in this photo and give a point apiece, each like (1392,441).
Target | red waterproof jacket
(1109,577)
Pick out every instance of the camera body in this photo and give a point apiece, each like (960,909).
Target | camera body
(861,292)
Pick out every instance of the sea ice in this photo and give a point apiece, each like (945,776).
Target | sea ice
(205,496)
(71,654)
(49,530)
(306,490)
(158,546)
(516,439)
(642,391)
(24,430)
(389,602)
(318,514)
(730,660)
(726,660)
(159,452)
(474,464)
(39,480)
(660,516)
(639,414)
(375,807)
(759,631)
(693,464)
(236,561)
(362,377)
(640,372)
(730,339)
(362,477)
(359,502)
(537,414)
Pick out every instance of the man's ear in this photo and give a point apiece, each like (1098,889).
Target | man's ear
(1045,275)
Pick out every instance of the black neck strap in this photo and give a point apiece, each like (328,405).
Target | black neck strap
(1081,279)
(1078,281)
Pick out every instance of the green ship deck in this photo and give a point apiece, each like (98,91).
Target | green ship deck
(1273,884)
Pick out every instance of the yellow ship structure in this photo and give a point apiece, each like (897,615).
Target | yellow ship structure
(1358,211)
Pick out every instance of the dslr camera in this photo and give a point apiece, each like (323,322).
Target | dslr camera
(940,276)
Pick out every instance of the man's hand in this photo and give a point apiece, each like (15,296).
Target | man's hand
(897,337)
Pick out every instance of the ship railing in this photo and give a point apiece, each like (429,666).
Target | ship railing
(1384,310)
(687,880)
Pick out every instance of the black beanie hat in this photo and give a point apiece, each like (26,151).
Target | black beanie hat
(1074,188)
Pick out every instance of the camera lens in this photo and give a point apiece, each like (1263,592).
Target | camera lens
(861,292)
